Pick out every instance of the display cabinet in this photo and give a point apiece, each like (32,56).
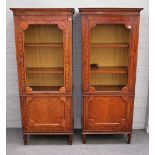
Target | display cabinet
(44,61)
(109,58)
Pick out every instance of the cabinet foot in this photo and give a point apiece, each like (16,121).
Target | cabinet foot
(129,138)
(83,138)
(70,139)
(25,139)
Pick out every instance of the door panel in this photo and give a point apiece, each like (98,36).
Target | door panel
(47,113)
(105,113)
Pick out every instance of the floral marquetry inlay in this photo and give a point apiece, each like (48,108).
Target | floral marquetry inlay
(24,25)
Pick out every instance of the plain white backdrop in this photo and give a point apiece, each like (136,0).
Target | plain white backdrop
(3,78)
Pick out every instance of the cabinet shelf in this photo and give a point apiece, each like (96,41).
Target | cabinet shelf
(47,70)
(110,45)
(49,44)
(108,87)
(110,70)
(45,88)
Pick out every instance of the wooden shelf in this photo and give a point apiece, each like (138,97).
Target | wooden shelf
(52,44)
(108,87)
(110,45)
(45,88)
(47,70)
(110,70)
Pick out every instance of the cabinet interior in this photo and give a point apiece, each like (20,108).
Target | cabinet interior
(43,46)
(109,54)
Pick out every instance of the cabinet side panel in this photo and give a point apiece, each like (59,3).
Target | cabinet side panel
(20,69)
(133,53)
(23,108)
(70,51)
(19,54)
(85,54)
(85,69)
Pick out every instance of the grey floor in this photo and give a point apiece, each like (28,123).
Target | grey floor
(96,144)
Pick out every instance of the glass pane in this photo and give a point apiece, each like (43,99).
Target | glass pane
(109,47)
(44,57)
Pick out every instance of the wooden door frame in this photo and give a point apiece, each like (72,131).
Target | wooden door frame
(64,24)
(90,21)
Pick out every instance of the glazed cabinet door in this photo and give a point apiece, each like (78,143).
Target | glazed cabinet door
(109,52)
(48,114)
(44,53)
(107,113)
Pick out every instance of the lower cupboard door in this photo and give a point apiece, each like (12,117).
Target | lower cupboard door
(107,113)
(48,114)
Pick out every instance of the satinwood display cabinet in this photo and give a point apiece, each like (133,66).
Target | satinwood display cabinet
(109,58)
(44,62)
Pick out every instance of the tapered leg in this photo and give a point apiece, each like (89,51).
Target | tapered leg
(84,138)
(25,139)
(129,138)
(70,139)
